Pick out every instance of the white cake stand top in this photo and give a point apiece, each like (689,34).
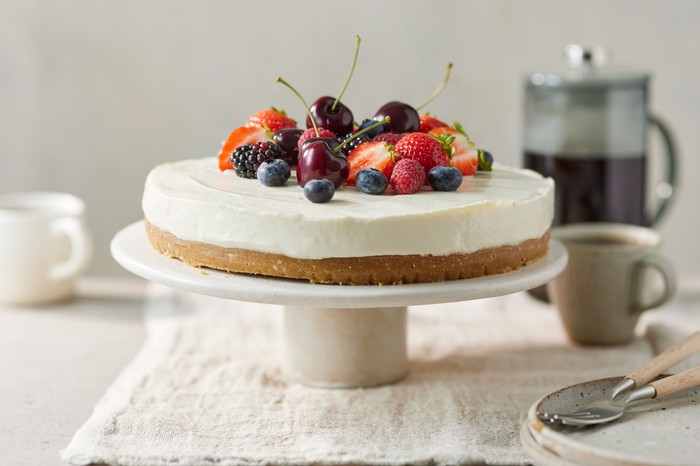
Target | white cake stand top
(131,249)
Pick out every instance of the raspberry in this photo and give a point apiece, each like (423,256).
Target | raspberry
(247,158)
(311,133)
(408,177)
(389,138)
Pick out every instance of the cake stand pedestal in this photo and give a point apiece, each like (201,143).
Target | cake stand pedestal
(334,336)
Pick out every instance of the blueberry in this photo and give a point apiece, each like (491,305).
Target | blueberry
(319,190)
(274,172)
(371,181)
(374,131)
(485,160)
(444,178)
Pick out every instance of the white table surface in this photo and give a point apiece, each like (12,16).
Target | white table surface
(57,361)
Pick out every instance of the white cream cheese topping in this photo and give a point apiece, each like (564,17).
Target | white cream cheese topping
(194,201)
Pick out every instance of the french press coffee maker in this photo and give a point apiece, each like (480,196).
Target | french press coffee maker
(586,127)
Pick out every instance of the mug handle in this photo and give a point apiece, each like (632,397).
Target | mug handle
(666,271)
(666,189)
(80,247)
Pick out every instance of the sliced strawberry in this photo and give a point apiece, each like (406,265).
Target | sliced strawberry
(239,137)
(465,155)
(271,119)
(374,154)
(429,123)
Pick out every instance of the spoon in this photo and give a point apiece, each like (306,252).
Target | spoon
(612,407)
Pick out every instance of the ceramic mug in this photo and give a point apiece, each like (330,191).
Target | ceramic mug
(605,285)
(44,246)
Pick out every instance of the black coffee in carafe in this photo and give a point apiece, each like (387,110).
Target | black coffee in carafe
(596,188)
(586,127)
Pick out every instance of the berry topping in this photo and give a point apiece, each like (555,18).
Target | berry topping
(371,181)
(319,190)
(404,118)
(274,172)
(288,140)
(485,161)
(272,120)
(465,156)
(408,177)
(239,137)
(429,123)
(352,144)
(444,178)
(373,132)
(247,158)
(311,133)
(318,160)
(423,148)
(389,138)
(376,154)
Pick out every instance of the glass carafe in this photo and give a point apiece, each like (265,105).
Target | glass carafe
(586,127)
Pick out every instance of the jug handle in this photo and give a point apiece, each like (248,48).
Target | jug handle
(665,191)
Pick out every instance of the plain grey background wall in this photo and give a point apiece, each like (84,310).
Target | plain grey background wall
(95,93)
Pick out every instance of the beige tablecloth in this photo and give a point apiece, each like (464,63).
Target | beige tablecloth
(208,388)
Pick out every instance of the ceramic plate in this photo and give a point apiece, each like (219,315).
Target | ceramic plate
(655,432)
(131,249)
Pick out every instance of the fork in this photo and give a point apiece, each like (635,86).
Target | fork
(626,390)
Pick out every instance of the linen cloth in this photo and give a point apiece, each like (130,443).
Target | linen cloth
(208,388)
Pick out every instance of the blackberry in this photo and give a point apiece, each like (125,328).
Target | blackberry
(361,139)
(247,158)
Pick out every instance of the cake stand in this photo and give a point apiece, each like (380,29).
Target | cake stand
(334,336)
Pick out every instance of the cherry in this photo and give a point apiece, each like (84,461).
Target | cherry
(338,120)
(287,139)
(329,112)
(404,118)
(317,160)
(332,143)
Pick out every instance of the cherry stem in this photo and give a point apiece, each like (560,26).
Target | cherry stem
(306,106)
(347,80)
(386,119)
(439,89)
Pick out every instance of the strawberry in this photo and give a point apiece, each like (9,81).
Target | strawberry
(271,119)
(408,177)
(379,155)
(429,123)
(311,133)
(389,138)
(427,150)
(237,138)
(465,155)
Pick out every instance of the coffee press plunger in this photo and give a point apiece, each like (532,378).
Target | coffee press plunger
(586,127)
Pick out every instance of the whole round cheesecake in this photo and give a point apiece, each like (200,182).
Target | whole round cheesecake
(495,222)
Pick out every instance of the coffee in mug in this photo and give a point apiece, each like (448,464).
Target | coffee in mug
(604,287)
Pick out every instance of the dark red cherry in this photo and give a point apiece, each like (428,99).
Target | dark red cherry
(332,143)
(317,160)
(404,118)
(338,120)
(288,139)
